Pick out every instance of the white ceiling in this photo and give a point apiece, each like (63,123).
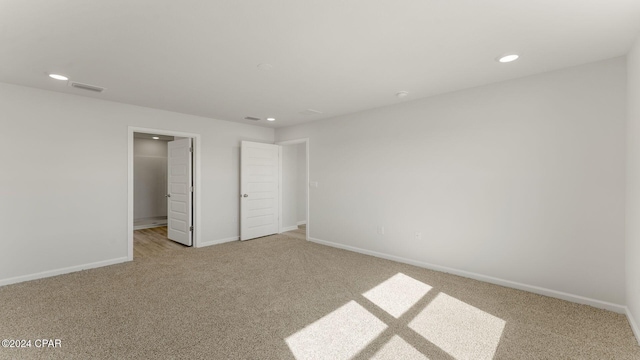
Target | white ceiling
(336,56)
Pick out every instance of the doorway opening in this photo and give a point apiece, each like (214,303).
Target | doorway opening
(294,194)
(163,201)
(150,180)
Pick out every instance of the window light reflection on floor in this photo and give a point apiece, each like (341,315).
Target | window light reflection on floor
(396,349)
(341,334)
(397,294)
(459,329)
(463,331)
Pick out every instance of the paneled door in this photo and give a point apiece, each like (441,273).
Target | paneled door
(179,192)
(259,187)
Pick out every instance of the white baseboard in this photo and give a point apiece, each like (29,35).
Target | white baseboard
(302,222)
(634,325)
(220,241)
(621,309)
(70,269)
(148,226)
(289,228)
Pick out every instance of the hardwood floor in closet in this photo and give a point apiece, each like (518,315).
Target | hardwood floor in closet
(152,242)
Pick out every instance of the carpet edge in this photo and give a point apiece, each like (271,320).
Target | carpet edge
(217,242)
(633,324)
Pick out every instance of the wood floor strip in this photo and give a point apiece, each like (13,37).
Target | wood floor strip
(152,242)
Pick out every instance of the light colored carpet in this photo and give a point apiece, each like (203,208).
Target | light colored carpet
(281,297)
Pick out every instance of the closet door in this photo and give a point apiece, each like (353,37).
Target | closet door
(179,192)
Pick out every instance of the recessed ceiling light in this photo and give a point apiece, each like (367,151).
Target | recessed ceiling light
(508,58)
(271,119)
(58,77)
(402,94)
(155,138)
(265,66)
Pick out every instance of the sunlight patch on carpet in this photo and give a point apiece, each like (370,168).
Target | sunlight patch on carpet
(397,348)
(397,294)
(341,334)
(463,331)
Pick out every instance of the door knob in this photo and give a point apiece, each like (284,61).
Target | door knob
(168,195)
(245,195)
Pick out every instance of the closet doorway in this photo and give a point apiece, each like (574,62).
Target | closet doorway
(163,201)
(150,180)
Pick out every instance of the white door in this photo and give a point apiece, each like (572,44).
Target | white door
(258,189)
(179,192)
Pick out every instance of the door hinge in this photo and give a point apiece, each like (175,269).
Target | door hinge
(190,228)
(191,188)
(190,149)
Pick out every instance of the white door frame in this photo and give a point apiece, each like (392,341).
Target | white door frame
(295,142)
(196,181)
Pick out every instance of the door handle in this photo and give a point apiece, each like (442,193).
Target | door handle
(245,195)
(168,195)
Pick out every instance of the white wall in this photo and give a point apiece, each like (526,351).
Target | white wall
(522,180)
(633,188)
(149,178)
(63,203)
(302,185)
(289,187)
